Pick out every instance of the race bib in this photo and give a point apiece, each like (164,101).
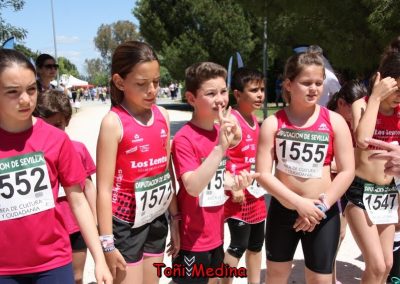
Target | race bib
(381,203)
(153,195)
(214,193)
(301,153)
(255,189)
(25,187)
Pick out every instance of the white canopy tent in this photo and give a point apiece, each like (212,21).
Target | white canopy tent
(70,81)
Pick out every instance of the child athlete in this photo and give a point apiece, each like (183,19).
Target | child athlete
(54,107)
(198,152)
(302,139)
(245,210)
(133,179)
(373,198)
(35,160)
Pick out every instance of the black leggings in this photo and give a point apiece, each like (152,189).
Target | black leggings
(319,246)
(245,236)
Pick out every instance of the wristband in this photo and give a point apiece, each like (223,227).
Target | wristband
(107,242)
(323,208)
(322,198)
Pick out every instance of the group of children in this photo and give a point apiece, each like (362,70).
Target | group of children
(222,162)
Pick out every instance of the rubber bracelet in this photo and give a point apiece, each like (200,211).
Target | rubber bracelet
(109,249)
(323,208)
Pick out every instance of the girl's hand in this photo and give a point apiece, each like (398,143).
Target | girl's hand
(306,208)
(238,196)
(304,224)
(102,273)
(175,243)
(383,88)
(115,261)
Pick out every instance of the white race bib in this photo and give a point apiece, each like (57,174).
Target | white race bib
(214,193)
(25,187)
(381,203)
(301,153)
(255,189)
(153,195)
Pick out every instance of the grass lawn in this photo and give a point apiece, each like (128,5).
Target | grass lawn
(270,111)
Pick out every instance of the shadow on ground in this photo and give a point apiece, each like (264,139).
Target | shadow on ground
(346,273)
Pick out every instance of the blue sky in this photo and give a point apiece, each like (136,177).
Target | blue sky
(76,24)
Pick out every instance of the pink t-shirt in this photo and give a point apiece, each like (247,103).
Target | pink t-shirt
(243,156)
(90,168)
(32,164)
(201,228)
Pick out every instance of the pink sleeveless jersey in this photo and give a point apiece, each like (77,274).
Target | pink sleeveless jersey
(304,151)
(243,156)
(142,153)
(387,128)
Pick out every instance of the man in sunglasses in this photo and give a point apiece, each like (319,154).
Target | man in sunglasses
(46,69)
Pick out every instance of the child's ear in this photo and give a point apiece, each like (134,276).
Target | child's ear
(287,85)
(118,81)
(236,94)
(190,97)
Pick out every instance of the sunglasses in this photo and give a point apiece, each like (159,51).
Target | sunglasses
(50,66)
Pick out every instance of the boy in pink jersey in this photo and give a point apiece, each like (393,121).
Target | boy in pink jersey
(198,152)
(54,107)
(35,158)
(245,210)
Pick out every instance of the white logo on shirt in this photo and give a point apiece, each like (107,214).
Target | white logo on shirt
(137,138)
(323,127)
(131,150)
(248,138)
(144,148)
(163,133)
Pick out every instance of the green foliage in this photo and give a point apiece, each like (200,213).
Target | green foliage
(67,67)
(352,33)
(6,29)
(97,72)
(110,36)
(27,51)
(185,31)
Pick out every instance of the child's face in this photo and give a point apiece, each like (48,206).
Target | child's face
(140,86)
(58,120)
(307,87)
(211,95)
(393,100)
(252,97)
(18,95)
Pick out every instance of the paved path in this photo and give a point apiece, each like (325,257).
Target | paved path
(84,127)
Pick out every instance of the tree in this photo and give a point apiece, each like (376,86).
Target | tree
(186,31)
(97,72)
(67,67)
(27,51)
(6,29)
(110,36)
(352,33)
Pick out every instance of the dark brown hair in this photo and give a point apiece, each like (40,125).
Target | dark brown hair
(198,73)
(42,58)
(349,92)
(8,57)
(126,56)
(52,102)
(243,76)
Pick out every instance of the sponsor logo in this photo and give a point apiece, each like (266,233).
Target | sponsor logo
(163,133)
(323,127)
(137,138)
(248,138)
(144,148)
(148,163)
(131,150)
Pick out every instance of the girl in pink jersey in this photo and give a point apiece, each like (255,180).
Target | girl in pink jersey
(373,197)
(302,139)
(134,189)
(54,107)
(245,210)
(35,158)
